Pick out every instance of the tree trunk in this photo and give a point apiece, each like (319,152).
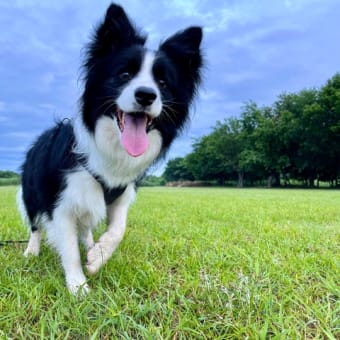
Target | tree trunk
(270,181)
(277,180)
(240,179)
(220,181)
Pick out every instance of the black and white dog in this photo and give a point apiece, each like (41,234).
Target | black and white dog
(135,102)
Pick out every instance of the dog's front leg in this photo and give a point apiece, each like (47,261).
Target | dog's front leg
(63,236)
(109,241)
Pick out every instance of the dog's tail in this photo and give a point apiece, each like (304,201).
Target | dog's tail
(22,208)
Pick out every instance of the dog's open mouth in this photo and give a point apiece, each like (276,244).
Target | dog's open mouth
(134,128)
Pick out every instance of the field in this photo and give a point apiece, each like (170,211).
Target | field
(194,264)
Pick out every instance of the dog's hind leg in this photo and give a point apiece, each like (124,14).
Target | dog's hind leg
(87,238)
(33,247)
(109,241)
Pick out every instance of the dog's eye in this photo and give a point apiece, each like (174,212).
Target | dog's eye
(125,76)
(162,83)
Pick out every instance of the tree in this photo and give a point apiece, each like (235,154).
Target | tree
(298,137)
(251,159)
(329,101)
(216,156)
(8,174)
(176,170)
(306,123)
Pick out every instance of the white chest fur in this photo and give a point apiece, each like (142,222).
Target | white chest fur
(107,157)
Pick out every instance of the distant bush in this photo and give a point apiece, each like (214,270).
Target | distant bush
(189,184)
(9,178)
(9,181)
(8,174)
(152,181)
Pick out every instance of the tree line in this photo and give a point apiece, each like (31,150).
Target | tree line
(9,178)
(295,139)
(8,174)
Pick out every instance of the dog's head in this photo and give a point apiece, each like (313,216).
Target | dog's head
(139,89)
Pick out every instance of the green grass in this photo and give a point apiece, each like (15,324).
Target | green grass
(195,263)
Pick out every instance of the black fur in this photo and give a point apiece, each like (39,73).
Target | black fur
(43,172)
(118,43)
(117,50)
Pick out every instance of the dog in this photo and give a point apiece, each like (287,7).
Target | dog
(134,103)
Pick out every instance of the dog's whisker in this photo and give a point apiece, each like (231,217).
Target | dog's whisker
(169,117)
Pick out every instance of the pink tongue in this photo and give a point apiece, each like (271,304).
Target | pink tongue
(134,136)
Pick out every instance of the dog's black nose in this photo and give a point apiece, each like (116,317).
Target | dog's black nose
(145,96)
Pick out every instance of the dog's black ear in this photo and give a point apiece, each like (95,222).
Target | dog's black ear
(115,31)
(184,48)
(117,27)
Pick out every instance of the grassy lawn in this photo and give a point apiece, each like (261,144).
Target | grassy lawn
(195,263)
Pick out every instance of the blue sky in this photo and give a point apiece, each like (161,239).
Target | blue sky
(255,50)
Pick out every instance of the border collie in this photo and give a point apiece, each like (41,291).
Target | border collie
(135,102)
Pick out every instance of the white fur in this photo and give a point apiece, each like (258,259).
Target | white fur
(80,208)
(33,247)
(127,102)
(21,207)
(83,199)
(81,205)
(86,238)
(106,155)
(109,241)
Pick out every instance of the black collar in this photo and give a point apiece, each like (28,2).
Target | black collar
(110,194)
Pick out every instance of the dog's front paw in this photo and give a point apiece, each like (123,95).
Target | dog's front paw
(97,256)
(76,284)
(78,289)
